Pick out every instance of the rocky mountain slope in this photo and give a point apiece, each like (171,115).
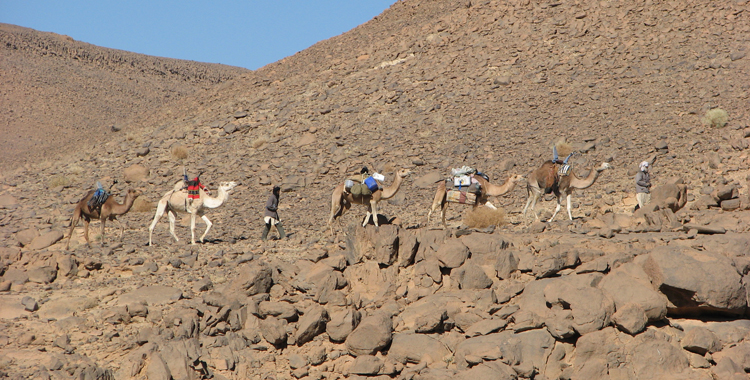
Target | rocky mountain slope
(58,92)
(427,85)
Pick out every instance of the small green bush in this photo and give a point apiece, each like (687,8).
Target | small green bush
(716,118)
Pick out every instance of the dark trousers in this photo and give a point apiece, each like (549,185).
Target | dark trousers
(267,229)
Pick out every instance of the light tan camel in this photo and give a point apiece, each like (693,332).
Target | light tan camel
(108,211)
(488,190)
(546,180)
(341,201)
(176,200)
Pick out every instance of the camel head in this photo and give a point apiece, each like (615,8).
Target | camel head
(227,186)
(403,173)
(516,178)
(134,193)
(604,166)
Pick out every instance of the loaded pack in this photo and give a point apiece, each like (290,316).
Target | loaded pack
(363,184)
(462,186)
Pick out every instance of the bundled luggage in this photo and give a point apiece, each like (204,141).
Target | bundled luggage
(363,185)
(462,187)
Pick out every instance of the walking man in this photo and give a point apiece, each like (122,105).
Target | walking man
(271,215)
(643,185)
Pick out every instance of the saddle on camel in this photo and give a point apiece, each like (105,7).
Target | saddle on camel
(462,186)
(100,196)
(557,170)
(363,184)
(193,186)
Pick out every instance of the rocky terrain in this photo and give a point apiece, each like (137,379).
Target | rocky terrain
(659,293)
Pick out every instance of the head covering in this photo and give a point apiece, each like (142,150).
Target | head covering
(276,189)
(643,166)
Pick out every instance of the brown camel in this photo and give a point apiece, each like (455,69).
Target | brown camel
(341,201)
(546,180)
(108,211)
(488,190)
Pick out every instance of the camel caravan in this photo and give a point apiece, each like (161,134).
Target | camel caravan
(465,185)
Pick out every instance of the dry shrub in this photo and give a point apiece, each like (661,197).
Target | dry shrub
(483,217)
(180,152)
(716,118)
(59,180)
(142,204)
(257,143)
(563,148)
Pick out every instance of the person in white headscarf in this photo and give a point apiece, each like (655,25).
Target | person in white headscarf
(643,185)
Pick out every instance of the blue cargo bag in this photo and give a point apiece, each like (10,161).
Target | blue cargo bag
(371,184)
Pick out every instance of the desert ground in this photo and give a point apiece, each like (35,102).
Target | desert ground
(427,86)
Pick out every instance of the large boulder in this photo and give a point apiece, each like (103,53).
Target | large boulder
(312,323)
(489,370)
(630,284)
(151,295)
(700,340)
(414,348)
(590,309)
(379,244)
(696,281)
(370,281)
(135,173)
(650,355)
(342,323)
(471,276)
(551,261)
(435,308)
(484,244)
(252,278)
(45,240)
(673,196)
(372,335)
(526,350)
(452,254)
(274,331)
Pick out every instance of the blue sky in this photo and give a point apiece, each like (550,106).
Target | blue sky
(247,34)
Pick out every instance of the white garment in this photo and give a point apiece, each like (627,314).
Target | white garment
(270,220)
(643,199)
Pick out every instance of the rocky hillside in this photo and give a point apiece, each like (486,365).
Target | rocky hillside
(57,92)
(427,86)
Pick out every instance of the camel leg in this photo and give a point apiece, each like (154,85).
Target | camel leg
(104,222)
(442,214)
(172,218)
(73,222)
(367,218)
(557,208)
(86,222)
(436,202)
(208,226)
(533,197)
(159,212)
(192,227)
(374,207)
(122,229)
(570,215)
(529,196)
